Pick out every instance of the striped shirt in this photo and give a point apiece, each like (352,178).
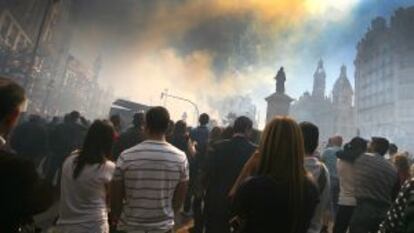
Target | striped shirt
(150,172)
(375,178)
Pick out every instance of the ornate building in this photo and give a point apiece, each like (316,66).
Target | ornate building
(333,116)
(384,82)
(35,38)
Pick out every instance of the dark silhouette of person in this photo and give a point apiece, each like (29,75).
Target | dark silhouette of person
(30,139)
(23,193)
(67,137)
(225,160)
(132,136)
(116,122)
(200,136)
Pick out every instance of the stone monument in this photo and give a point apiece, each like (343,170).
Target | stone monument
(278,103)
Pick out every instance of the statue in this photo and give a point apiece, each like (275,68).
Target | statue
(280,81)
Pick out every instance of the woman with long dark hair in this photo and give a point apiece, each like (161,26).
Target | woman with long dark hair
(281,197)
(86,175)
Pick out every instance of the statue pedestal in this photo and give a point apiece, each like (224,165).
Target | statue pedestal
(278,104)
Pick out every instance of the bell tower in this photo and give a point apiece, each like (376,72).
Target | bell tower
(319,81)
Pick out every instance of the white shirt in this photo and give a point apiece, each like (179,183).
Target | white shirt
(84,199)
(151,172)
(346,182)
(313,166)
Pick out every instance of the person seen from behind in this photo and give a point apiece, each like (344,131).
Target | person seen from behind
(376,185)
(400,218)
(345,168)
(131,137)
(23,193)
(403,167)
(199,136)
(329,159)
(181,140)
(319,172)
(226,158)
(150,181)
(85,179)
(282,196)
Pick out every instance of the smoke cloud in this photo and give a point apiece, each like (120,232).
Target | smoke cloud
(203,49)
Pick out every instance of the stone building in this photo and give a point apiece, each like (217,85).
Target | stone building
(384,79)
(333,115)
(55,81)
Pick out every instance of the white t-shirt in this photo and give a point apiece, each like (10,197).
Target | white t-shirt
(346,181)
(84,199)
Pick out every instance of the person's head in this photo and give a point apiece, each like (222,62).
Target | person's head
(12,99)
(74,116)
(138,119)
(55,120)
(97,146)
(34,118)
(227,132)
(242,125)
(116,120)
(204,119)
(379,145)
(393,149)
(157,121)
(336,141)
(353,149)
(180,128)
(215,133)
(310,137)
(401,163)
(281,158)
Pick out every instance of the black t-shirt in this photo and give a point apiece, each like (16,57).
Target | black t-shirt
(264,204)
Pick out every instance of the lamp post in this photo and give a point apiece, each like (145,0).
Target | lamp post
(166,95)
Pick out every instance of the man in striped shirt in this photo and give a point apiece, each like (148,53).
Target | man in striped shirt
(376,185)
(150,181)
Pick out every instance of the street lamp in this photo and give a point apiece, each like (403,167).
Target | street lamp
(165,95)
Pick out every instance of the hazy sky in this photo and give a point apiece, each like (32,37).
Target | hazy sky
(208,49)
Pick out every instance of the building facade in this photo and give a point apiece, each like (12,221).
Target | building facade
(384,79)
(35,38)
(333,115)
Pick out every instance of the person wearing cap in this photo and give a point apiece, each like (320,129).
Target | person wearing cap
(376,185)
(345,170)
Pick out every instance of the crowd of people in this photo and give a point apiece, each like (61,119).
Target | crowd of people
(233,179)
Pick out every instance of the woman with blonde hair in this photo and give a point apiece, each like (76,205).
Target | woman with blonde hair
(281,197)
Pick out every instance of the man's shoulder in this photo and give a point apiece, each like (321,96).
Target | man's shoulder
(148,147)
